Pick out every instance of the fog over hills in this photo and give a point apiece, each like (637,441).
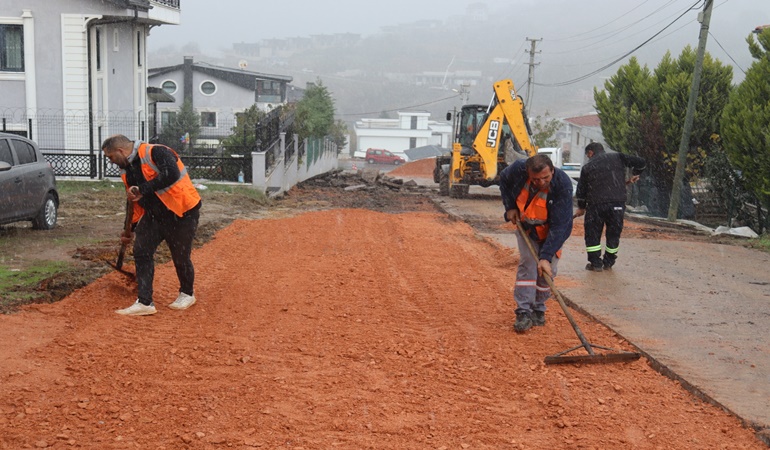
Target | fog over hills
(414,61)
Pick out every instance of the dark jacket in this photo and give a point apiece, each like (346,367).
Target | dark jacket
(512,180)
(603,178)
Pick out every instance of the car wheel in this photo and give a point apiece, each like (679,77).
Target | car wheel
(370,161)
(396,162)
(46,217)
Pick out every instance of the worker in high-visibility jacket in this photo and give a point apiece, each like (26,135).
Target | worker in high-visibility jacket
(166,208)
(538,195)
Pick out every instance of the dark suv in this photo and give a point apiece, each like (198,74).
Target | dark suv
(27,184)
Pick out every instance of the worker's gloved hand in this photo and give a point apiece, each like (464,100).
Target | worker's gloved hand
(126,237)
(512,215)
(544,267)
(133,193)
(579,212)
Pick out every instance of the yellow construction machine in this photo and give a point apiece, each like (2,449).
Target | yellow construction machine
(481,136)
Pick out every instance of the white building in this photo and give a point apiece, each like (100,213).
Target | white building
(410,130)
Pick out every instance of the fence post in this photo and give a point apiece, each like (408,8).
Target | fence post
(258,168)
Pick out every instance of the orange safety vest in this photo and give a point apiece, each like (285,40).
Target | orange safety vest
(536,213)
(180,197)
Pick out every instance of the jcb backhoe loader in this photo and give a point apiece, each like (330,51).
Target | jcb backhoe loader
(481,136)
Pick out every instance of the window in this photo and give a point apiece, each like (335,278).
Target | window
(139,48)
(24,151)
(268,91)
(208,88)
(5,152)
(167,117)
(412,142)
(11,48)
(414,123)
(98,39)
(169,86)
(208,119)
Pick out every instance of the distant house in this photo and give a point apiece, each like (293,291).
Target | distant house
(73,72)
(410,130)
(582,131)
(216,93)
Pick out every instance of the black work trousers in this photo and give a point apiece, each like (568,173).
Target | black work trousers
(597,217)
(178,232)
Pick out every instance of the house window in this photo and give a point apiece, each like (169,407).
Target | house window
(167,117)
(169,86)
(209,119)
(208,88)
(139,48)
(11,48)
(268,91)
(413,125)
(413,141)
(98,39)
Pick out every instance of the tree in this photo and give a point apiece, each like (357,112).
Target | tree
(183,130)
(746,121)
(544,130)
(642,113)
(243,139)
(315,112)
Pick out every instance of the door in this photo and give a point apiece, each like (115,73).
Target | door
(33,177)
(11,185)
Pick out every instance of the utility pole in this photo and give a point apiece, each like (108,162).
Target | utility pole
(684,145)
(531,77)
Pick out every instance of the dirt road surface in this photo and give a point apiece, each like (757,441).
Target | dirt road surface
(385,325)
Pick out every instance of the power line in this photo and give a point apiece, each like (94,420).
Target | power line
(728,55)
(599,70)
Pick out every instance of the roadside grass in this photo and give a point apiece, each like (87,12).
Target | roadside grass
(763,243)
(23,286)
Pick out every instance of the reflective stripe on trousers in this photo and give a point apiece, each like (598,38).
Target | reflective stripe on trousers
(531,291)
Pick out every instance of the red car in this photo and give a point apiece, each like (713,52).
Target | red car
(380,156)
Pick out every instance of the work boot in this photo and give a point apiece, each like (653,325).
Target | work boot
(523,321)
(608,265)
(184,301)
(138,309)
(538,318)
(594,268)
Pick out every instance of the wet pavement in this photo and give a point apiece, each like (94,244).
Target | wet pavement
(699,312)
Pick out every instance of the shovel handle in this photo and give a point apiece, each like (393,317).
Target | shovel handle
(126,228)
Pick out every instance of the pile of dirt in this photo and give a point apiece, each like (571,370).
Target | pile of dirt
(422,168)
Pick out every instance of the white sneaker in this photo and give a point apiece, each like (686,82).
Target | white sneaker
(138,309)
(184,301)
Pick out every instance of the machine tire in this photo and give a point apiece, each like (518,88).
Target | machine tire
(443,183)
(459,191)
(46,217)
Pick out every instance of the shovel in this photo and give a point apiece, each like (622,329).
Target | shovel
(122,252)
(563,357)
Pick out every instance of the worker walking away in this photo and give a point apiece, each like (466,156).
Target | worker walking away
(601,196)
(166,208)
(540,197)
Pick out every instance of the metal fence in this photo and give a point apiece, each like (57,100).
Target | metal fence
(71,141)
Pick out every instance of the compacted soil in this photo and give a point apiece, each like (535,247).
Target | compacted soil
(352,319)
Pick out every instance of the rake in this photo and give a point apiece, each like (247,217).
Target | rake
(563,357)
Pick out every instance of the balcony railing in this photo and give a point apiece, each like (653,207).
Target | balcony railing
(169,3)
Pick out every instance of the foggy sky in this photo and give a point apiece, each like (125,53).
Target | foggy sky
(578,37)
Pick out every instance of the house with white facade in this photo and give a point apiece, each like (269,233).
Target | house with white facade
(73,72)
(216,93)
(582,131)
(411,130)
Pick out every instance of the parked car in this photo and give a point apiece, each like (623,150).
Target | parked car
(27,184)
(380,156)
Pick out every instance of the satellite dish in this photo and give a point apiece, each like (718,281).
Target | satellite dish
(242,64)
